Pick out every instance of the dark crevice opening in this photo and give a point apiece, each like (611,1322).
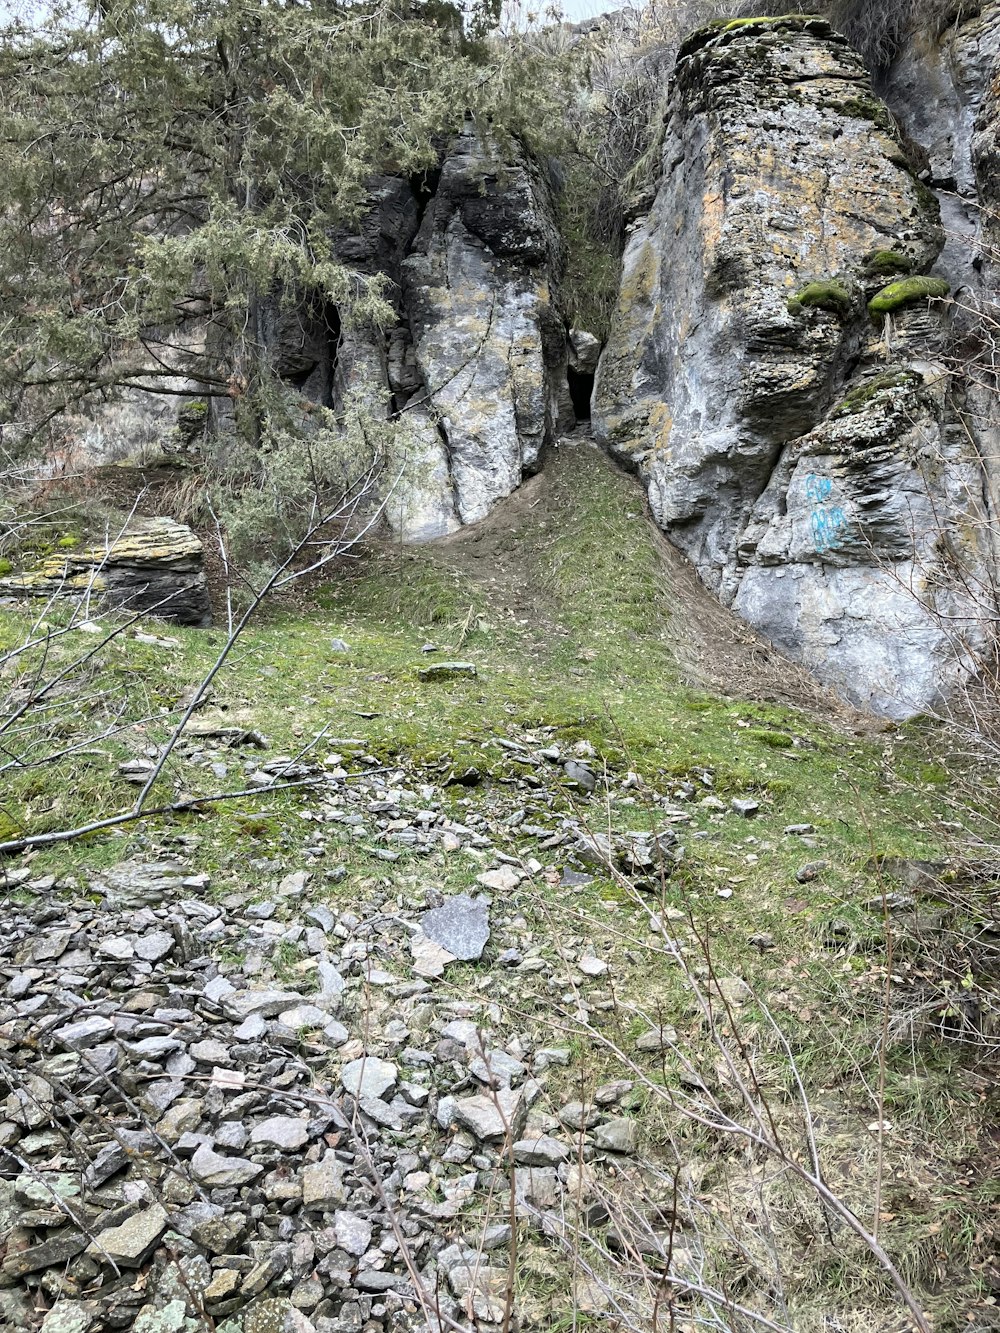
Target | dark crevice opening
(424,187)
(581,387)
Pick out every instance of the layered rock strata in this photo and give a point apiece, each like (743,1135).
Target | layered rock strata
(776,370)
(155,566)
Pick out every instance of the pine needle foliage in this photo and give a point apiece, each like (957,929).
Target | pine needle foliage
(167,165)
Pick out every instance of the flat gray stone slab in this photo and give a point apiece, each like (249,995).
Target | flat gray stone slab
(131,1242)
(493,1116)
(287,1132)
(462,926)
(447,671)
(211,1168)
(369,1077)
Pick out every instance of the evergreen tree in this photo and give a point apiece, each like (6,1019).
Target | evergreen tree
(170,164)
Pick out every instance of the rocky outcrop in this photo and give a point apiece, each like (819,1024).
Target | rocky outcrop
(798,445)
(486,341)
(471,369)
(154,566)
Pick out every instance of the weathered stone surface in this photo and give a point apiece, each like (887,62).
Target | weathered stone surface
(751,415)
(211,1168)
(281,1131)
(876,614)
(939,88)
(241,1004)
(448,671)
(155,565)
(617,1135)
(354,1234)
(68,1317)
(128,1244)
(461,926)
(369,1076)
(276,1315)
(323,1184)
(492,1116)
(543,1151)
(486,342)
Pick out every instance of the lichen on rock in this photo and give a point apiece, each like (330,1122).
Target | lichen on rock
(153,565)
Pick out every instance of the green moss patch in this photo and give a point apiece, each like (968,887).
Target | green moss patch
(907,291)
(827,294)
(878,262)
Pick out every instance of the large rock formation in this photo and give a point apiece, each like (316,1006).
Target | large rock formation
(153,566)
(472,369)
(473,365)
(800,447)
(487,343)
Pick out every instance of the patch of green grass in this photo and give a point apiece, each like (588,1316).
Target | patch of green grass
(570,616)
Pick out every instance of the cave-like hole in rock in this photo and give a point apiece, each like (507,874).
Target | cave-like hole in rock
(581,386)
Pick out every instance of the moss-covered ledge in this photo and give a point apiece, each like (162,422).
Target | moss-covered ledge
(753,26)
(907,291)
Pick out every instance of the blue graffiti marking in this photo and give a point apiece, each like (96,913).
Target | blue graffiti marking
(828,526)
(818,488)
(829,522)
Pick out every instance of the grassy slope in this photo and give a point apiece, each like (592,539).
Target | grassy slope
(571,618)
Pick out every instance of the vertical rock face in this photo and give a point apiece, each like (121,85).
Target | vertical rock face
(942,89)
(471,367)
(801,451)
(485,339)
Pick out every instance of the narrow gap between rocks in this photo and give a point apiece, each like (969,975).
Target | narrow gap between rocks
(581,388)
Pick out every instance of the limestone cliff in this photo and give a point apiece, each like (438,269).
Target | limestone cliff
(472,367)
(817,428)
(776,368)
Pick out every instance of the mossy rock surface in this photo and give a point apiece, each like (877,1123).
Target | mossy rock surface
(826,294)
(878,262)
(907,291)
(752,26)
(860,397)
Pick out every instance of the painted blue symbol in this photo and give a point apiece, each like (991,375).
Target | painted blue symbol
(829,522)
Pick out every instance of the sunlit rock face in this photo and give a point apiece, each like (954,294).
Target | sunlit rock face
(487,344)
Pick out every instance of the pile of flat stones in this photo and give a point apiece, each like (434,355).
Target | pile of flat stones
(189,1141)
(276,1112)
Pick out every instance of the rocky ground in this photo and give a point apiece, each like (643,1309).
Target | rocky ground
(468,1030)
(344,1146)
